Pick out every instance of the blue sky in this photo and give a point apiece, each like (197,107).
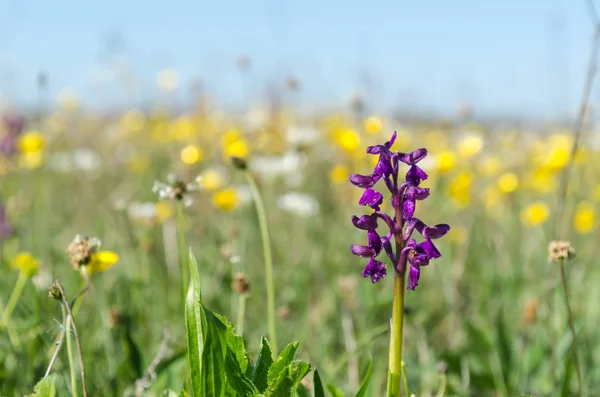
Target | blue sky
(512,56)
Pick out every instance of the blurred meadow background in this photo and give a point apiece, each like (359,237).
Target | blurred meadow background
(101,99)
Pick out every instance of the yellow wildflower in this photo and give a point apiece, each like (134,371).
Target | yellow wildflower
(26,263)
(101,261)
(584,220)
(445,161)
(226,199)
(541,180)
(508,182)
(237,149)
(212,180)
(31,142)
(31,160)
(191,154)
(339,174)
(597,193)
(535,214)
(373,125)
(347,139)
(231,136)
(559,152)
(459,189)
(469,146)
(163,210)
(182,129)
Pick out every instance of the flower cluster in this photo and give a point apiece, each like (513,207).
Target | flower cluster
(404,196)
(176,188)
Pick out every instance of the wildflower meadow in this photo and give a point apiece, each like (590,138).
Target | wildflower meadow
(196,250)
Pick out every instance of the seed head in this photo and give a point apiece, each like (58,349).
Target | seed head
(176,188)
(81,250)
(54,291)
(239,163)
(241,284)
(560,250)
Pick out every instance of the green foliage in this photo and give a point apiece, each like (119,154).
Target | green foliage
(46,387)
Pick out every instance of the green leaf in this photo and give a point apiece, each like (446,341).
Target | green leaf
(183,393)
(366,379)
(284,359)
(206,340)
(261,368)
(504,347)
(564,391)
(335,392)
(46,387)
(302,391)
(288,379)
(216,356)
(318,385)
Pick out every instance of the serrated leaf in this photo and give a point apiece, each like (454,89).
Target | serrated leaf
(262,366)
(284,359)
(335,391)
(366,379)
(46,387)
(318,385)
(235,377)
(206,340)
(302,391)
(288,379)
(235,343)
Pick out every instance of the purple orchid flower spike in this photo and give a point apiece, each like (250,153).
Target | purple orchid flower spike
(407,256)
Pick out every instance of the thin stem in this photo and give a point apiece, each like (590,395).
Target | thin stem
(397,322)
(14,298)
(571,325)
(264,233)
(241,313)
(59,343)
(71,361)
(77,341)
(182,250)
(442,389)
(404,380)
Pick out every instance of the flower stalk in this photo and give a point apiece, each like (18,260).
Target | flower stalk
(14,298)
(264,234)
(407,256)
(182,250)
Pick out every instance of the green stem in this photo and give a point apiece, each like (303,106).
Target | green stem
(182,250)
(241,314)
(395,359)
(14,298)
(71,360)
(563,279)
(264,234)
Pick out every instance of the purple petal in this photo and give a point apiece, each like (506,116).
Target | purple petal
(361,250)
(415,175)
(408,208)
(377,149)
(413,277)
(390,143)
(414,157)
(365,222)
(374,269)
(417,193)
(387,246)
(404,254)
(437,231)
(363,181)
(418,257)
(430,249)
(371,198)
(374,241)
(388,220)
(384,166)
(414,223)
